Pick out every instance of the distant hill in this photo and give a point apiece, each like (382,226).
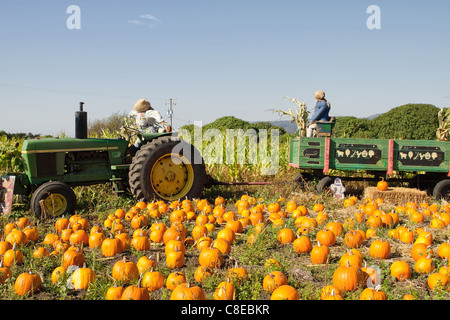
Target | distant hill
(287,125)
(373,116)
(291,127)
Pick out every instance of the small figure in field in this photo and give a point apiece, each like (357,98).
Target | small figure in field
(338,188)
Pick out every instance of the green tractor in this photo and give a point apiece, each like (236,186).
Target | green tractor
(164,167)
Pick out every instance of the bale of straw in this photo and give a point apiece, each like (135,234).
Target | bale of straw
(397,195)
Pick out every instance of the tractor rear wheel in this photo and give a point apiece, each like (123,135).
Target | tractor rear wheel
(167,168)
(54,198)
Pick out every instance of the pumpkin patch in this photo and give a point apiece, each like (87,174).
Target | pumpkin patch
(221,249)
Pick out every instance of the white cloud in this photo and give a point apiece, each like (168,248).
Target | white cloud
(137,22)
(150,17)
(148,20)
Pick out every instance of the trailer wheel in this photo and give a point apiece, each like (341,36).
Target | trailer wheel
(324,184)
(301,178)
(57,199)
(442,190)
(167,168)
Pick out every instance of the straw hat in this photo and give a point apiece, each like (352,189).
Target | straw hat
(142,105)
(320,95)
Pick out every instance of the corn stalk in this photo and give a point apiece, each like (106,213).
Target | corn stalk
(444,124)
(10,154)
(298,115)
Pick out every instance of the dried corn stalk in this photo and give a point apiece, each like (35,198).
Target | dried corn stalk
(299,116)
(444,124)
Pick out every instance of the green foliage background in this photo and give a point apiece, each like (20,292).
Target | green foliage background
(230,122)
(407,122)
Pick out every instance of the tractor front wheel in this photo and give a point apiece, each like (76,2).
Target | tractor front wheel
(167,168)
(53,198)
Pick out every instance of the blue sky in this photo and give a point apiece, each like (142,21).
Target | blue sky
(217,58)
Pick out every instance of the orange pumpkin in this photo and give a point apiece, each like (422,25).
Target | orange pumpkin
(211,257)
(153,280)
(201,273)
(326,238)
(302,244)
(12,257)
(27,283)
(380,249)
(114,293)
(175,259)
(437,281)
(174,279)
(382,185)
(222,245)
(73,257)
(58,274)
(274,280)
(225,291)
(347,277)
(125,271)
(135,292)
(420,250)
(353,239)
(319,254)
(400,270)
(5,273)
(335,227)
(286,235)
(145,264)
(285,292)
(185,291)
(111,246)
(372,294)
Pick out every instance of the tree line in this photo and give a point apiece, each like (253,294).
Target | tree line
(407,122)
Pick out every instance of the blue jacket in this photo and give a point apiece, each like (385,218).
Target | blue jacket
(321,112)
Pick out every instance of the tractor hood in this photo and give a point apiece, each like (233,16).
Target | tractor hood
(72,145)
(46,158)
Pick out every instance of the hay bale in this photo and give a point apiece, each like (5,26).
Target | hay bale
(397,195)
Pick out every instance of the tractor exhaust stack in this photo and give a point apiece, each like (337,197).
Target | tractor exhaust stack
(81,123)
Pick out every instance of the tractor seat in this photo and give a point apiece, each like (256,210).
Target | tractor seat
(325,128)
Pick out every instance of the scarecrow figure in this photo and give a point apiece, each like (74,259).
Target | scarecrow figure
(320,113)
(148,120)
